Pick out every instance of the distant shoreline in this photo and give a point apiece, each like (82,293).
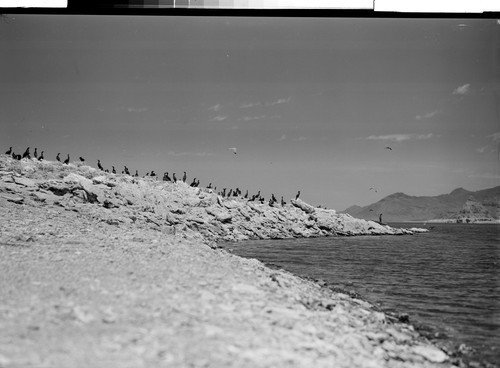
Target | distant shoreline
(447,221)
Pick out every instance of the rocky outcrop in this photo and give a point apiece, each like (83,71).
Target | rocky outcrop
(165,205)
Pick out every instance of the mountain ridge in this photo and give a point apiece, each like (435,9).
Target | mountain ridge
(460,204)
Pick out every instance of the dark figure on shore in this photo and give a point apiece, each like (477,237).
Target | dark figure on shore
(58,158)
(167,177)
(18,157)
(9,152)
(67,160)
(106,171)
(35,154)
(282,202)
(113,170)
(224,192)
(209,186)
(40,158)
(388,148)
(271,202)
(26,153)
(82,159)
(99,165)
(273,198)
(230,193)
(175,179)
(184,177)
(246,194)
(152,173)
(126,170)
(380,218)
(297,196)
(193,183)
(136,174)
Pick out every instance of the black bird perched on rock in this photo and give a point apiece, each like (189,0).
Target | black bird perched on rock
(126,170)
(9,151)
(67,160)
(35,154)
(282,202)
(224,192)
(99,165)
(82,159)
(273,198)
(246,194)
(106,170)
(152,173)
(58,158)
(193,183)
(40,158)
(175,179)
(166,177)
(136,173)
(18,157)
(209,186)
(297,196)
(184,177)
(113,170)
(230,193)
(26,153)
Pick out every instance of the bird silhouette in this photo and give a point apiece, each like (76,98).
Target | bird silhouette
(99,165)
(388,148)
(82,159)
(35,154)
(26,153)
(136,173)
(175,179)
(235,151)
(184,177)
(114,170)
(297,196)
(9,151)
(40,158)
(67,160)
(58,158)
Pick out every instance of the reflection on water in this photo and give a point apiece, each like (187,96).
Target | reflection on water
(448,278)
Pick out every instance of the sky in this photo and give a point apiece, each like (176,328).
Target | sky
(310,103)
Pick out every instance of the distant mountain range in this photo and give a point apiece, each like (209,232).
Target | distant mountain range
(461,205)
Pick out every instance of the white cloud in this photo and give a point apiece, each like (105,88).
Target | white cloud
(482,149)
(219,118)
(428,115)
(462,90)
(494,136)
(400,137)
(270,103)
(215,107)
(249,118)
(279,101)
(282,138)
(250,104)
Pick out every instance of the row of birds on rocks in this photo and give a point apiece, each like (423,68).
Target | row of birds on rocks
(166,177)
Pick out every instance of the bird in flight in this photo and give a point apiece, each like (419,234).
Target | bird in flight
(388,148)
(235,151)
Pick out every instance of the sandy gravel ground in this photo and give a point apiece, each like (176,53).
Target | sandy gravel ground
(78,290)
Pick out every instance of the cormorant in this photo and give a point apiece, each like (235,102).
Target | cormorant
(67,160)
(40,158)
(35,154)
(209,186)
(167,178)
(224,192)
(230,193)
(99,165)
(9,152)
(388,148)
(193,183)
(136,173)
(82,159)
(297,196)
(175,179)
(246,194)
(26,153)
(114,170)
(58,158)
(282,202)
(152,173)
(184,177)
(273,198)
(380,218)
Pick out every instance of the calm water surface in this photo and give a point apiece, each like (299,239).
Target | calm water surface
(447,279)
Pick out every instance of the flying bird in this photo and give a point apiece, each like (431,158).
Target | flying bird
(388,148)
(235,151)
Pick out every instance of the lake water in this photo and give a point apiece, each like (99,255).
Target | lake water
(447,280)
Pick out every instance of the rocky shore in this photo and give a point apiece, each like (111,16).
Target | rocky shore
(99,270)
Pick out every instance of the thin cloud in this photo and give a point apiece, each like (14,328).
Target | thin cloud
(282,138)
(494,136)
(270,103)
(250,104)
(482,149)
(462,90)
(249,118)
(136,109)
(219,118)
(400,137)
(428,115)
(279,101)
(215,107)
